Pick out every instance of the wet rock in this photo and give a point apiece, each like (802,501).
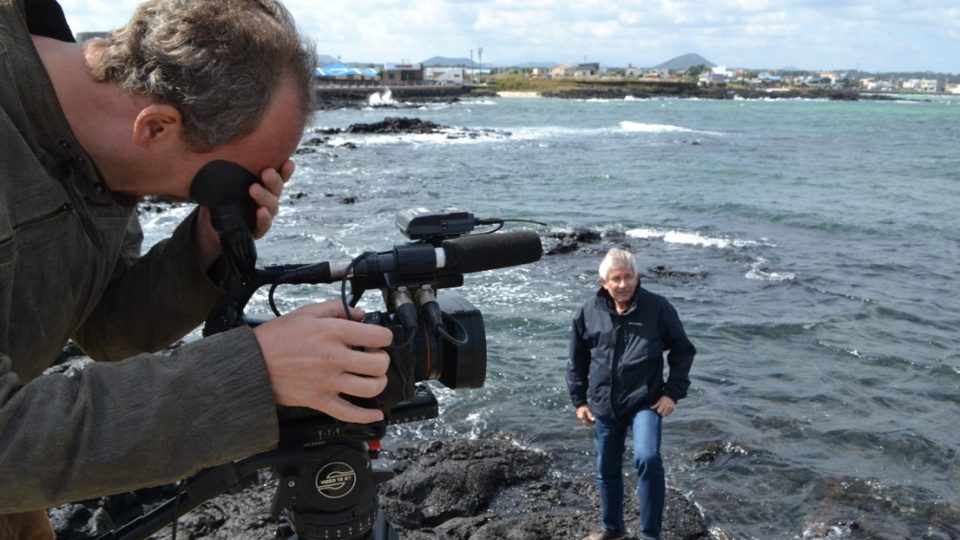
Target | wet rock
(389,125)
(565,242)
(442,481)
(663,271)
(451,489)
(401,126)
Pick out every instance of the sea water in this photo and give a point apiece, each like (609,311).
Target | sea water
(819,246)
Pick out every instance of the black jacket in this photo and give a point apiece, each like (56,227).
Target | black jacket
(616,360)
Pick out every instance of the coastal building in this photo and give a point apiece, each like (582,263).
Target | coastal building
(876,85)
(929,86)
(829,77)
(767,78)
(716,75)
(403,73)
(444,75)
(586,71)
(560,71)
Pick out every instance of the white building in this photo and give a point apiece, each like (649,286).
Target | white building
(444,75)
(930,86)
(717,75)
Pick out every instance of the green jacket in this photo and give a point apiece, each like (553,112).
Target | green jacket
(70,268)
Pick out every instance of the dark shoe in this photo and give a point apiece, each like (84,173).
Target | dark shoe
(605,535)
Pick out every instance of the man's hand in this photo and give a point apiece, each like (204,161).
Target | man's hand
(585,416)
(313,355)
(664,406)
(267,196)
(265,193)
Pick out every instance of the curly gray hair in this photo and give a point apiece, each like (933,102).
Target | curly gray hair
(217,61)
(617,258)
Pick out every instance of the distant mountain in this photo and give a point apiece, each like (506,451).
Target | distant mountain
(443,61)
(325,59)
(685,61)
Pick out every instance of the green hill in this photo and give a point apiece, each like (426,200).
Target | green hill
(685,61)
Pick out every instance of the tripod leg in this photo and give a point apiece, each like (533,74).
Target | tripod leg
(382,529)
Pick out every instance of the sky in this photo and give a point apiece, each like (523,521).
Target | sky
(868,35)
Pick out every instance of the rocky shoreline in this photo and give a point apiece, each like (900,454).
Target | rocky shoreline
(452,489)
(400,98)
(683,90)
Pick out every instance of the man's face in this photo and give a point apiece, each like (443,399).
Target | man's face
(620,283)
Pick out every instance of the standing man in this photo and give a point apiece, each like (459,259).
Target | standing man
(616,381)
(86,130)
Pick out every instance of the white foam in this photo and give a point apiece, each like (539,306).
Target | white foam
(446,136)
(641,127)
(381,99)
(758,271)
(689,238)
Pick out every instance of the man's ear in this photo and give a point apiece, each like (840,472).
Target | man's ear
(157,123)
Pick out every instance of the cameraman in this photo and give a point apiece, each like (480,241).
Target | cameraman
(85,131)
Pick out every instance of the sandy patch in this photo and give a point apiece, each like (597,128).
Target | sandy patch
(509,94)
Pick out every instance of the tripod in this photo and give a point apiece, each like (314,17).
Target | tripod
(326,481)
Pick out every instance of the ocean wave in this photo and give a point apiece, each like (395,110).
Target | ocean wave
(760,272)
(445,137)
(519,133)
(674,236)
(641,127)
(481,101)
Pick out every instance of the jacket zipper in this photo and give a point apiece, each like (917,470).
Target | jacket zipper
(65,207)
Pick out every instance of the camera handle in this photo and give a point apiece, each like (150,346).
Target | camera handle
(196,490)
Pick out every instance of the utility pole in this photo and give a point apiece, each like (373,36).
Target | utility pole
(480,59)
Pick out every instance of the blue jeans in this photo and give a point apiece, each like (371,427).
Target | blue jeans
(651,484)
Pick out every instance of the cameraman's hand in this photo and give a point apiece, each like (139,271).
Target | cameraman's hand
(267,196)
(312,356)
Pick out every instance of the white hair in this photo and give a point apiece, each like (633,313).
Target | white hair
(617,258)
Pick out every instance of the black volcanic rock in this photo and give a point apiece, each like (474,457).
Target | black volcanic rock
(570,241)
(452,489)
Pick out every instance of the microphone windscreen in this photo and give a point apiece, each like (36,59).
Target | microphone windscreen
(479,252)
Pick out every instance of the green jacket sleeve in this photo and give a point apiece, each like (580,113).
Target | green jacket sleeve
(146,421)
(151,301)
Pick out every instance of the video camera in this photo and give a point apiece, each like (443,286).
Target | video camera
(326,482)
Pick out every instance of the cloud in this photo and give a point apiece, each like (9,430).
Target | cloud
(876,35)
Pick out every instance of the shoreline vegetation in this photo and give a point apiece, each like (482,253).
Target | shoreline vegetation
(331,96)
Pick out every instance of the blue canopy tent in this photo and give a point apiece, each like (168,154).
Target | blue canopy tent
(342,70)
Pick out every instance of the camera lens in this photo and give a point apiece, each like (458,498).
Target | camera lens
(463,363)
(457,355)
